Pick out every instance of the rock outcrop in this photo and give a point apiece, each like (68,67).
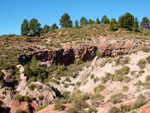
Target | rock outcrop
(84,52)
(27,107)
(62,56)
(117,47)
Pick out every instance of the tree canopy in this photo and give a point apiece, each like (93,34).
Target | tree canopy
(126,21)
(135,25)
(145,22)
(105,20)
(65,21)
(46,29)
(76,24)
(97,21)
(54,26)
(83,21)
(34,27)
(24,27)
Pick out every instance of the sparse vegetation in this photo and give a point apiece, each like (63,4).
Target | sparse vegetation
(125,88)
(140,101)
(116,98)
(142,63)
(99,88)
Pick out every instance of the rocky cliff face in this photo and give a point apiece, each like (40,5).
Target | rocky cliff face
(62,56)
(84,52)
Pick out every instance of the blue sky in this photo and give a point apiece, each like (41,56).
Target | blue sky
(12,12)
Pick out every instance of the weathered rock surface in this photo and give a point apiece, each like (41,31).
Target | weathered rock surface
(24,106)
(62,56)
(117,47)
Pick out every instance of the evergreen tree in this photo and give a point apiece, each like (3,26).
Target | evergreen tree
(24,27)
(135,25)
(113,20)
(97,21)
(120,21)
(145,23)
(126,21)
(46,29)
(105,20)
(111,26)
(65,21)
(54,26)
(76,24)
(34,27)
(83,21)
(93,22)
(90,21)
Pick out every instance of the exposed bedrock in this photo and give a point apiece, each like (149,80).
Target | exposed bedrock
(62,56)
(85,52)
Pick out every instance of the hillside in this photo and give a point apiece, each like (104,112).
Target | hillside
(89,69)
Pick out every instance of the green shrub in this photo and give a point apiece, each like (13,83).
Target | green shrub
(125,108)
(78,83)
(41,97)
(1,76)
(115,110)
(148,59)
(97,97)
(59,106)
(41,107)
(32,87)
(72,110)
(22,98)
(66,86)
(98,54)
(123,71)
(140,101)
(68,80)
(20,111)
(99,88)
(141,63)
(146,49)
(16,38)
(147,79)
(102,64)
(92,110)
(92,76)
(116,98)
(66,94)
(126,60)
(125,88)
(126,79)
(78,62)
(96,79)
(79,104)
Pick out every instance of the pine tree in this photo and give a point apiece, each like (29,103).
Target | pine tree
(24,27)
(90,21)
(46,29)
(135,25)
(113,20)
(34,27)
(97,21)
(76,24)
(120,21)
(65,21)
(126,21)
(83,21)
(105,20)
(54,26)
(145,23)
(111,26)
